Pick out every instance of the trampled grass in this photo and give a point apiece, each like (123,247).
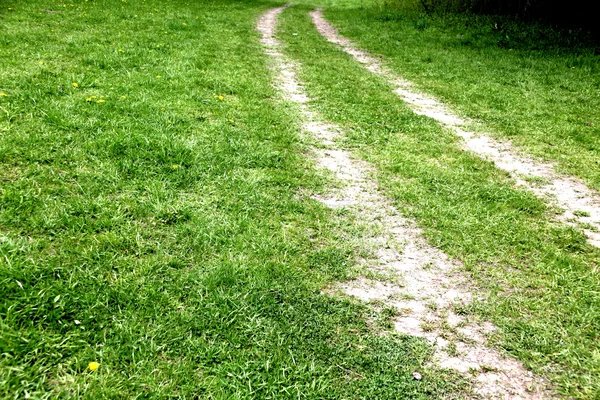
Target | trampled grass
(154,218)
(538,280)
(532,84)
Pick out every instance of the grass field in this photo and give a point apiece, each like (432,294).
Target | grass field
(155,219)
(155,210)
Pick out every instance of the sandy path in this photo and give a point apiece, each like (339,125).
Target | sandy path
(581,205)
(426,284)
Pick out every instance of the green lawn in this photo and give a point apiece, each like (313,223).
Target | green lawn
(537,280)
(155,218)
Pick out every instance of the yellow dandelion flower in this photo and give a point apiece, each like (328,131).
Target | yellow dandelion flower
(175,166)
(41,62)
(123,97)
(2,94)
(100,101)
(93,366)
(75,84)
(88,99)
(220,97)
(158,76)
(93,97)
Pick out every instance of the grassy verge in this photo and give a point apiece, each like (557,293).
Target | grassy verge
(152,218)
(527,83)
(538,280)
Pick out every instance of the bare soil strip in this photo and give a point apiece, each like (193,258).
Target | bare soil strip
(580,204)
(421,282)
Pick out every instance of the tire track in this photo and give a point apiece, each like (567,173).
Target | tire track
(580,204)
(430,285)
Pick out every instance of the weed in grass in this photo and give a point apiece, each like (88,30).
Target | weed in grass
(590,227)
(386,317)
(581,213)
(451,349)
(432,305)
(402,296)
(428,326)
(487,368)
(536,180)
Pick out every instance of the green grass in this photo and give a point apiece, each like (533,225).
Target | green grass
(155,218)
(538,279)
(155,213)
(529,83)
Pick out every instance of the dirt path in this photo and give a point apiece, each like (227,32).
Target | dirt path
(422,283)
(581,205)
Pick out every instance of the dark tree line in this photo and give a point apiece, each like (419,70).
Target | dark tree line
(573,13)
